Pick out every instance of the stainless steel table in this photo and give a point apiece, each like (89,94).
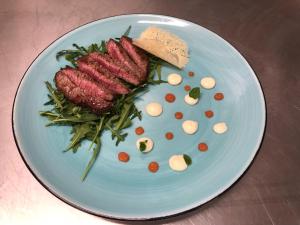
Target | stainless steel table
(266,32)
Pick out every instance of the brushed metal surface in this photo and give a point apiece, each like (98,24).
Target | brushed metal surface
(266,32)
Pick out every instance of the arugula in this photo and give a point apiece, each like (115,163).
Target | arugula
(187,159)
(195,93)
(85,125)
(143,145)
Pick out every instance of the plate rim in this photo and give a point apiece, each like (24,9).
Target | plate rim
(224,189)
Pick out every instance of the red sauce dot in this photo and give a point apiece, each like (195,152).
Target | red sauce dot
(169,135)
(202,147)
(170,97)
(191,73)
(219,96)
(187,87)
(123,157)
(153,167)
(179,115)
(209,114)
(139,130)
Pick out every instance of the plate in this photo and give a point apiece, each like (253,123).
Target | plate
(128,190)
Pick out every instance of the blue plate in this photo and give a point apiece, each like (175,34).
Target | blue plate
(128,190)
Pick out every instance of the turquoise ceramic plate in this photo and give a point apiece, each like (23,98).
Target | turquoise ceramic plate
(129,190)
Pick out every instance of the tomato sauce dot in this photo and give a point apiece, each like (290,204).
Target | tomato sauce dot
(209,114)
(187,87)
(123,157)
(170,97)
(202,147)
(153,167)
(219,96)
(191,74)
(169,135)
(179,115)
(139,130)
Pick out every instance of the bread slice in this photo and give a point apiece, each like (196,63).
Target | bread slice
(164,45)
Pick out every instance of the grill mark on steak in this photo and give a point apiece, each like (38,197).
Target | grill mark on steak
(135,53)
(79,95)
(115,67)
(87,83)
(116,51)
(103,76)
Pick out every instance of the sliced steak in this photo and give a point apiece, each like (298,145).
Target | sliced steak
(79,95)
(115,67)
(136,54)
(103,76)
(87,83)
(116,51)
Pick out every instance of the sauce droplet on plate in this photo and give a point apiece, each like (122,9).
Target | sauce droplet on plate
(190,126)
(191,74)
(202,147)
(187,87)
(123,157)
(190,101)
(220,128)
(179,115)
(219,96)
(174,79)
(208,82)
(209,114)
(154,109)
(153,167)
(170,97)
(139,130)
(169,135)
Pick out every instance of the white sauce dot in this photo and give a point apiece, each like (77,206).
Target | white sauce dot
(220,128)
(149,144)
(174,79)
(177,163)
(154,109)
(189,100)
(190,126)
(208,82)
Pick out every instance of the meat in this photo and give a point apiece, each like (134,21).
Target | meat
(136,54)
(116,51)
(103,76)
(85,82)
(80,95)
(115,67)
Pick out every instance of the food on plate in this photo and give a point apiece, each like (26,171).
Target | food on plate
(190,126)
(153,167)
(98,92)
(219,96)
(190,101)
(174,79)
(154,109)
(187,87)
(209,113)
(179,115)
(208,82)
(180,162)
(139,130)
(202,147)
(144,144)
(123,157)
(220,128)
(191,73)
(170,97)
(164,45)
(169,135)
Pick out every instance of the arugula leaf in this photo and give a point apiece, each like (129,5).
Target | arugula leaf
(195,93)
(127,31)
(143,145)
(187,159)
(79,133)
